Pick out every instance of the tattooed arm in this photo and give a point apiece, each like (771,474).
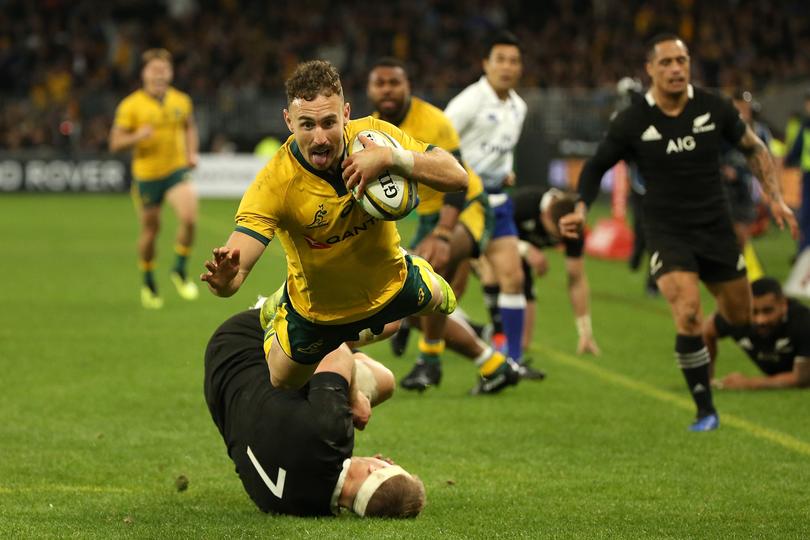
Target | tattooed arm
(761,163)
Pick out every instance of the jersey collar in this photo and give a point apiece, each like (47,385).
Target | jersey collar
(690,92)
(334,180)
(490,92)
(339,486)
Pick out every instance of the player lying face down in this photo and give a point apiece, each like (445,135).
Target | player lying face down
(293,448)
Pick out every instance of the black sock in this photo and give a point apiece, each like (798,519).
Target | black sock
(149,280)
(693,358)
(491,293)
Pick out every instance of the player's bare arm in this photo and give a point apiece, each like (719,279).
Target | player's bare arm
(122,139)
(579,294)
(435,168)
(798,378)
(761,163)
(231,264)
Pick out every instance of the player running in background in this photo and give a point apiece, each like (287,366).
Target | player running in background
(346,273)
(293,448)
(157,122)
(777,341)
(452,226)
(675,136)
(488,116)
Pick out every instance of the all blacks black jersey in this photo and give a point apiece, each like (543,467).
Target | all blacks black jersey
(288,446)
(774,353)
(678,157)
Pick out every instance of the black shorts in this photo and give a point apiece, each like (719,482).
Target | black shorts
(711,252)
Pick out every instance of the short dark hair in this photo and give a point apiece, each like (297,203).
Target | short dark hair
(660,38)
(562,206)
(389,62)
(502,37)
(312,79)
(766,285)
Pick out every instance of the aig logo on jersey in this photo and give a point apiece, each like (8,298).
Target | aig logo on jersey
(681,144)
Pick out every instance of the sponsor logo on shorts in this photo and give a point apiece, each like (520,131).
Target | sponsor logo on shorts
(312,348)
(740,262)
(420,298)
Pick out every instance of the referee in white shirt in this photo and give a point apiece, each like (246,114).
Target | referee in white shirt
(488,116)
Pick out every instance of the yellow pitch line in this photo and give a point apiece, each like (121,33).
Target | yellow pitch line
(771,435)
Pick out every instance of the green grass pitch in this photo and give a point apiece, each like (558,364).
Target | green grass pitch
(101,409)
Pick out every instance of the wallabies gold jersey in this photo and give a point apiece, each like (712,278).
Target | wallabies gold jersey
(343,265)
(165,151)
(427,123)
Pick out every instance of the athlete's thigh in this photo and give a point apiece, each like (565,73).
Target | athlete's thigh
(733,299)
(182,197)
(682,291)
(461,248)
(504,256)
(286,372)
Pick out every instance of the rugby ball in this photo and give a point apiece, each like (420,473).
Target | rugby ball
(389,196)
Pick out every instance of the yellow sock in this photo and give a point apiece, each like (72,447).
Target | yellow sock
(430,349)
(752,264)
(492,364)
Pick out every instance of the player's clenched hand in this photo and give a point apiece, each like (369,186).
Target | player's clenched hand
(222,269)
(361,167)
(361,410)
(144,132)
(587,345)
(732,381)
(783,214)
(571,225)
(434,250)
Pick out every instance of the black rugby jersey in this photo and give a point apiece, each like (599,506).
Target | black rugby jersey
(678,157)
(530,227)
(775,353)
(288,446)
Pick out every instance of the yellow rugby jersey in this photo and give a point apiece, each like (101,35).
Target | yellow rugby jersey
(165,151)
(427,123)
(343,265)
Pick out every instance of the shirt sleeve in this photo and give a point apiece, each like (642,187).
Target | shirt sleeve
(125,116)
(460,113)
(733,126)
(612,149)
(258,213)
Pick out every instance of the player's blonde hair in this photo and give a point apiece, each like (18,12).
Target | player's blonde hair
(155,54)
(312,79)
(401,496)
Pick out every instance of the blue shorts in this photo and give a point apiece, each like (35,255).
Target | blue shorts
(504,210)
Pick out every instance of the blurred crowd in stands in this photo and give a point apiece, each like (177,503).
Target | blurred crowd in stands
(65,63)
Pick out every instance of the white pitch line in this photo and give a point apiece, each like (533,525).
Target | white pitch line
(760,432)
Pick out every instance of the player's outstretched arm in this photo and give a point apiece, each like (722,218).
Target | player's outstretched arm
(761,164)
(231,264)
(798,378)
(435,168)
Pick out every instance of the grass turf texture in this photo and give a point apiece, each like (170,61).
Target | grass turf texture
(102,409)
